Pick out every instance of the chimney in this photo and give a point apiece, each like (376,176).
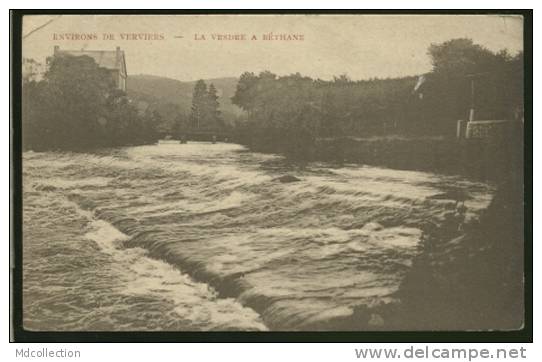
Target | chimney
(118,54)
(56,49)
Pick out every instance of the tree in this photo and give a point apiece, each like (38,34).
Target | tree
(33,110)
(199,104)
(77,107)
(74,96)
(180,126)
(205,114)
(213,112)
(246,93)
(459,57)
(287,110)
(459,66)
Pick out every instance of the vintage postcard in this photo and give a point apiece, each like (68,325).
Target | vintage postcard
(272,172)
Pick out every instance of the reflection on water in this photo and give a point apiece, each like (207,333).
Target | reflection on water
(202,237)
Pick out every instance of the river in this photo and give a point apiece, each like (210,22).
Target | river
(202,236)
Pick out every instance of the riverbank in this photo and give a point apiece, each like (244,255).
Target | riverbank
(480,159)
(467,275)
(472,281)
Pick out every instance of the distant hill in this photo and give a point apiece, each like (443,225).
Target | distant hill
(170,96)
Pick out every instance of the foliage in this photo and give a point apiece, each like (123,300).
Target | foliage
(293,110)
(173,98)
(281,109)
(76,107)
(205,114)
(460,65)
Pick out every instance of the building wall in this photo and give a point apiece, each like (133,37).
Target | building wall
(122,84)
(117,75)
(118,79)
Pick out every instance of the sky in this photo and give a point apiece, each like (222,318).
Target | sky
(361,46)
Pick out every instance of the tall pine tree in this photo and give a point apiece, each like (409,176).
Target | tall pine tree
(199,105)
(205,113)
(213,105)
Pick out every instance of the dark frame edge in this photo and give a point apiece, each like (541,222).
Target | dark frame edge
(18,334)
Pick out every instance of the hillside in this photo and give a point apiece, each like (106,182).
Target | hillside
(170,96)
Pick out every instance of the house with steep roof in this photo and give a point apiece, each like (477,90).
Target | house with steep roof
(112,60)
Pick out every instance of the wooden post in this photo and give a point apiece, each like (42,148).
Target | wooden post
(460,131)
(471,112)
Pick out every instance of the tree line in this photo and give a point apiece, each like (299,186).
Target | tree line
(76,106)
(289,110)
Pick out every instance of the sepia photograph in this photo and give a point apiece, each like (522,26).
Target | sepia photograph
(272,173)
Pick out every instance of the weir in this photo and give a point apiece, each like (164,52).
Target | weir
(199,135)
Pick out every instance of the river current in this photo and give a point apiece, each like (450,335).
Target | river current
(199,236)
